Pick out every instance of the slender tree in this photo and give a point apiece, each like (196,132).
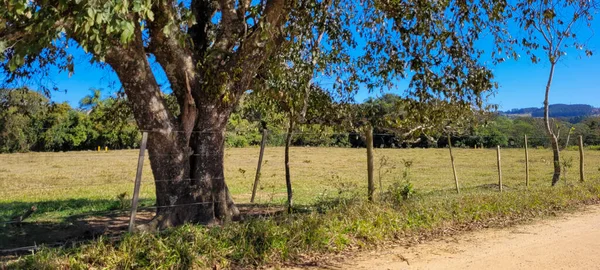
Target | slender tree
(550,28)
(288,80)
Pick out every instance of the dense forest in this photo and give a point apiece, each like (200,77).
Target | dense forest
(29,121)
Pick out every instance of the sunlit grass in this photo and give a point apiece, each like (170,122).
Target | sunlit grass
(98,177)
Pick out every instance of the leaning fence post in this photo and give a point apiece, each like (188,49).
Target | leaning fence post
(369,141)
(526,163)
(138,181)
(499,169)
(581,160)
(260,159)
(453,167)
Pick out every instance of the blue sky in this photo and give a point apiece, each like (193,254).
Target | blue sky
(521,83)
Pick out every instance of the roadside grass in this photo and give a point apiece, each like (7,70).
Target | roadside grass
(331,226)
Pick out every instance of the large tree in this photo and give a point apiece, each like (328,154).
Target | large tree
(211,51)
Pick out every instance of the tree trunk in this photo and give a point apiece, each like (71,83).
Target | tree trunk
(288,178)
(567,142)
(549,131)
(188,171)
(201,195)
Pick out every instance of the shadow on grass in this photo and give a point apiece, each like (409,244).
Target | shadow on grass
(60,221)
(63,222)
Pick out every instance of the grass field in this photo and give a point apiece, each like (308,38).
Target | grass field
(67,183)
(62,185)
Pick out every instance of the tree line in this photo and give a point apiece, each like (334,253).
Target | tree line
(29,121)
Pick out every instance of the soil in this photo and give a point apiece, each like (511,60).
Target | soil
(570,241)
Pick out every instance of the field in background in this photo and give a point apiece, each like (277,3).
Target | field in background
(69,183)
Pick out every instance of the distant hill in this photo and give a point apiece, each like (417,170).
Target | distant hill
(556,110)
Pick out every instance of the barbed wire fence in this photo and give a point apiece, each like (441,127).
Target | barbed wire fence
(135,184)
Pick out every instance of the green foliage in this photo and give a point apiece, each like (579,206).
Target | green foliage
(22,113)
(401,190)
(566,163)
(492,135)
(29,122)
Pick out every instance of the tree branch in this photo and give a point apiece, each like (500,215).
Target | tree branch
(175,59)
(203,11)
(229,28)
(260,43)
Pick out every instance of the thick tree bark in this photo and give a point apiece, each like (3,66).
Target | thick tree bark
(208,142)
(549,131)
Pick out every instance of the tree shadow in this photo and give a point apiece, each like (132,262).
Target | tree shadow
(63,221)
(252,210)
(68,222)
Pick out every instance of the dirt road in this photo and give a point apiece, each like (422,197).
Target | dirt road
(571,241)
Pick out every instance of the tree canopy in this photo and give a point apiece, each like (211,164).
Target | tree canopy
(213,52)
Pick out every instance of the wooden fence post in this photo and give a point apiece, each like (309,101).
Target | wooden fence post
(581,160)
(526,163)
(260,159)
(499,169)
(138,181)
(453,167)
(369,141)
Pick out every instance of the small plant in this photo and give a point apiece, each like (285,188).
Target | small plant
(346,192)
(123,201)
(407,165)
(384,168)
(566,163)
(407,191)
(343,188)
(402,190)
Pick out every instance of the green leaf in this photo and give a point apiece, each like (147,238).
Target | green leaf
(12,66)
(99,18)
(2,46)
(150,15)
(15,62)
(91,13)
(127,34)
(20,7)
